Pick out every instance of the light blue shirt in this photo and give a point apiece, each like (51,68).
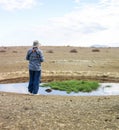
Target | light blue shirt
(35,57)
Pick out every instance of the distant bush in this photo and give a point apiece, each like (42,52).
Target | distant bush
(14,51)
(95,50)
(50,51)
(5,47)
(2,51)
(73,51)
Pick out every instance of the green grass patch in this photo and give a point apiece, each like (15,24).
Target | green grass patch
(73,85)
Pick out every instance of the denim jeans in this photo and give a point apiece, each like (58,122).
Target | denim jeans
(34,79)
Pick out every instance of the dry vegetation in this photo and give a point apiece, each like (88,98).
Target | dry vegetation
(73,51)
(2,51)
(50,51)
(95,50)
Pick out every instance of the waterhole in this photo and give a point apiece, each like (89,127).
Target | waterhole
(22,88)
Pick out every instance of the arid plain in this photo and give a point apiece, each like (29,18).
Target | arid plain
(62,63)
(43,112)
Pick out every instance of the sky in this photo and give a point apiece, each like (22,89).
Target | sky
(59,22)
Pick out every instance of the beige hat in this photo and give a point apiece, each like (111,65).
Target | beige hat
(36,43)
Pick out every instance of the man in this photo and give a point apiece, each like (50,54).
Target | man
(35,57)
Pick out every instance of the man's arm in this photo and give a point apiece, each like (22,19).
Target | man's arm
(41,57)
(27,56)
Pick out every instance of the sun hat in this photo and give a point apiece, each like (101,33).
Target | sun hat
(36,43)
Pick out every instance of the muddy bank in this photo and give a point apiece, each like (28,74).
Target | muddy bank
(62,77)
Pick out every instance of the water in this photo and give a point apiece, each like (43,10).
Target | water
(104,89)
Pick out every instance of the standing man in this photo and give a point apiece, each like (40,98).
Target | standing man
(35,57)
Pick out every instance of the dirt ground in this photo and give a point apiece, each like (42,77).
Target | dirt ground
(42,112)
(60,63)
(25,112)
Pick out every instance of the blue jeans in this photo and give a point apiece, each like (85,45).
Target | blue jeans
(34,79)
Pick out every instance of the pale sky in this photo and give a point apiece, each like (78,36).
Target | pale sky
(59,22)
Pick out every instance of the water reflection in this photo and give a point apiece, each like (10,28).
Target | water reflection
(104,89)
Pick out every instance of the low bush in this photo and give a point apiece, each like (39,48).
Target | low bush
(14,51)
(95,50)
(73,51)
(50,51)
(73,85)
(2,51)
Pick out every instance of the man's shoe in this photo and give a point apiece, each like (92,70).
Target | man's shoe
(30,93)
(36,94)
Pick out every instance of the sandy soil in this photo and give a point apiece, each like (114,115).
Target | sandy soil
(26,112)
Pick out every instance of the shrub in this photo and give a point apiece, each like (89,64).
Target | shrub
(2,51)
(73,51)
(14,51)
(50,51)
(95,50)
